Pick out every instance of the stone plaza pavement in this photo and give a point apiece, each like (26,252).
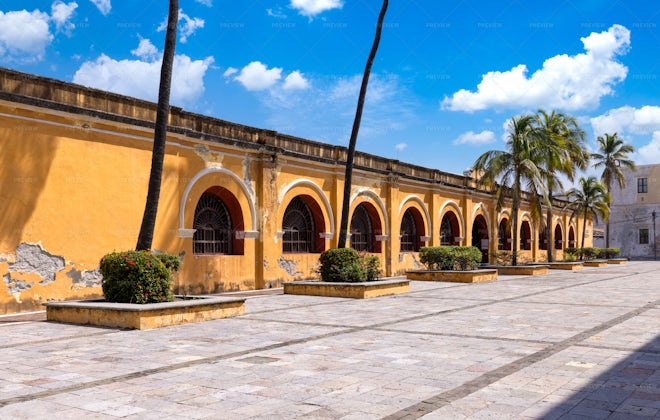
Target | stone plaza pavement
(563,345)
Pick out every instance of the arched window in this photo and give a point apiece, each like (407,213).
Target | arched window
(558,238)
(409,238)
(504,236)
(213,227)
(361,232)
(449,229)
(298,227)
(571,237)
(525,236)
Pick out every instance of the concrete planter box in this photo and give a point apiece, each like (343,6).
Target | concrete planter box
(595,263)
(362,290)
(522,270)
(566,265)
(617,261)
(469,276)
(145,316)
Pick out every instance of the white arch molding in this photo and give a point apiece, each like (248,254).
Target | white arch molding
(426,211)
(371,194)
(481,206)
(188,233)
(306,182)
(459,214)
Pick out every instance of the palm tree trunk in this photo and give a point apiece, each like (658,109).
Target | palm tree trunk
(514,248)
(145,238)
(348,177)
(548,224)
(584,233)
(607,223)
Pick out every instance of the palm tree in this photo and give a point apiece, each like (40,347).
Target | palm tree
(348,178)
(613,154)
(145,238)
(591,199)
(562,153)
(511,170)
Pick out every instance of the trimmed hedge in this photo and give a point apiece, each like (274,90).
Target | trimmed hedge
(138,276)
(593,253)
(345,265)
(461,258)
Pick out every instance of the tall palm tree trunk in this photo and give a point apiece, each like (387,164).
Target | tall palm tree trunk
(348,178)
(548,225)
(515,245)
(145,238)
(607,223)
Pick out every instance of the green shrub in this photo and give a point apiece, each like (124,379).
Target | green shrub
(460,258)
(610,253)
(571,250)
(371,266)
(137,276)
(345,265)
(590,253)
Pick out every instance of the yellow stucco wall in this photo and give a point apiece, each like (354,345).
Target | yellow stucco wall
(74,169)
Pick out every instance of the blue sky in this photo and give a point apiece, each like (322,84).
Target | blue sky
(448,76)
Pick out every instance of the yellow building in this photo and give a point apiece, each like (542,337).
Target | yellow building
(244,208)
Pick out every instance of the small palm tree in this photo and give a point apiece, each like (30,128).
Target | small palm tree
(562,152)
(613,154)
(146,236)
(514,170)
(348,178)
(590,199)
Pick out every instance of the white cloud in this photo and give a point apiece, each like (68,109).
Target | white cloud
(295,81)
(140,78)
(642,120)
(276,13)
(24,35)
(61,14)
(146,50)
(565,82)
(186,28)
(230,72)
(104,6)
(208,3)
(475,139)
(650,153)
(400,147)
(256,76)
(311,8)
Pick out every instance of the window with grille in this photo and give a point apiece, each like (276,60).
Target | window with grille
(409,240)
(212,224)
(446,231)
(361,234)
(525,236)
(503,236)
(642,185)
(298,228)
(643,236)
(558,238)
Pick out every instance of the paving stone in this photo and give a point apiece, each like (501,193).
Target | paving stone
(522,347)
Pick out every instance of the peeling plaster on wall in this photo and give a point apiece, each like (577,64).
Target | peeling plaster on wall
(34,259)
(247,180)
(290,266)
(16,286)
(211,159)
(402,256)
(8,258)
(85,278)
(265,264)
(417,264)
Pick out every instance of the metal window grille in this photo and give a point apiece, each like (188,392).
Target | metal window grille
(643,236)
(361,234)
(409,240)
(212,224)
(298,228)
(446,232)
